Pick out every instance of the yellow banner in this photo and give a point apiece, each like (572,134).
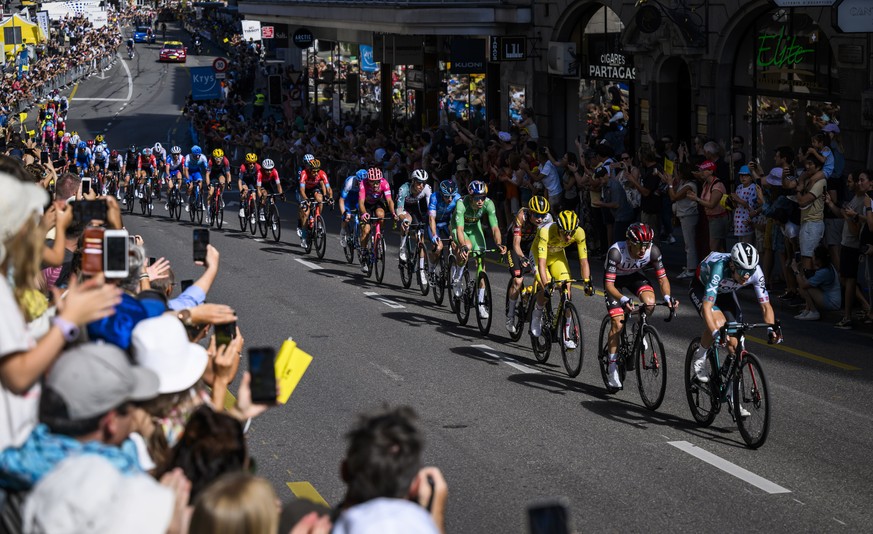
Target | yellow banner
(668,166)
(290,366)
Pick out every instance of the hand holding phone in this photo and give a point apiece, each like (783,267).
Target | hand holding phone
(549,517)
(116,252)
(86,186)
(263,371)
(225,333)
(201,242)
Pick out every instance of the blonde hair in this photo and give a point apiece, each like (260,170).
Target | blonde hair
(237,503)
(24,256)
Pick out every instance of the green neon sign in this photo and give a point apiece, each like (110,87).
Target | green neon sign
(780,50)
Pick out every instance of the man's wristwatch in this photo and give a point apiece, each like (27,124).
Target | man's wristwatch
(185,317)
(68,329)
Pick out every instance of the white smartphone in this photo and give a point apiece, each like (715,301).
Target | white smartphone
(116,251)
(86,185)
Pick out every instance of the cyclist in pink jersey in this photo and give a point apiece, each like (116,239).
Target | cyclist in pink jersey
(374,197)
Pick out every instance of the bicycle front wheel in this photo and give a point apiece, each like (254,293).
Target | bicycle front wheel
(542,345)
(603,355)
(275,223)
(439,281)
(423,269)
(348,246)
(651,368)
(147,197)
(463,302)
(379,260)
(320,237)
(192,208)
(406,266)
(213,210)
(252,214)
(703,399)
(483,287)
(572,349)
(218,218)
(244,218)
(177,200)
(262,220)
(517,317)
(200,207)
(751,395)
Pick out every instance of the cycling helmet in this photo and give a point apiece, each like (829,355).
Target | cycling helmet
(268,164)
(361,175)
(99,138)
(61,133)
(131,148)
(158,147)
(374,174)
(567,221)
(745,256)
(315,164)
(308,158)
(640,233)
(83,145)
(251,157)
(90,142)
(477,187)
(218,153)
(176,150)
(419,175)
(448,188)
(196,150)
(538,205)
(113,154)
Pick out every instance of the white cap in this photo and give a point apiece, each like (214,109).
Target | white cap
(161,344)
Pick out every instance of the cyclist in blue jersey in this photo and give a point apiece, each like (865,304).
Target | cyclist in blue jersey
(439,215)
(351,188)
(195,168)
(174,168)
(83,157)
(713,289)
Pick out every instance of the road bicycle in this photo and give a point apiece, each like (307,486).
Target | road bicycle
(145,197)
(129,196)
(558,328)
(268,217)
(216,209)
(738,380)
(316,231)
(469,296)
(351,242)
(373,253)
(523,306)
(195,203)
(641,349)
(416,263)
(174,202)
(439,277)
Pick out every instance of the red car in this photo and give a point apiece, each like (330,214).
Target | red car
(174,51)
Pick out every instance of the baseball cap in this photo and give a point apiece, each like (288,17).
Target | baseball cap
(94,378)
(18,201)
(831,128)
(504,136)
(161,345)
(745,170)
(706,166)
(379,155)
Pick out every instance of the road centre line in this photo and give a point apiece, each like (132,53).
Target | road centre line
(375,296)
(309,264)
(782,347)
(729,468)
(506,359)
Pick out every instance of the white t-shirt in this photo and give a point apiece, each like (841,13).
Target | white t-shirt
(551,178)
(18,413)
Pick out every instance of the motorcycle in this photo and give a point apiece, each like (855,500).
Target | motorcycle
(198,47)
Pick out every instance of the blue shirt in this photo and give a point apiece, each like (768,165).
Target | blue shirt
(438,208)
(827,280)
(193,296)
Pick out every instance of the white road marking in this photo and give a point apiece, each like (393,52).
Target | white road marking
(375,296)
(308,264)
(505,359)
(129,89)
(729,468)
(388,372)
(840,522)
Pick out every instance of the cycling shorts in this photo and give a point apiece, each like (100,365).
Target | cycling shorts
(558,267)
(726,303)
(371,208)
(515,261)
(270,187)
(81,163)
(194,177)
(635,282)
(174,172)
(474,234)
(442,231)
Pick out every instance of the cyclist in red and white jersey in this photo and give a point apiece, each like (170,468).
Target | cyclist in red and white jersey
(314,185)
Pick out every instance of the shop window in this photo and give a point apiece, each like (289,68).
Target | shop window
(464,98)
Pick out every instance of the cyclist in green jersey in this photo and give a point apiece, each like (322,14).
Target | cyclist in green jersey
(467,234)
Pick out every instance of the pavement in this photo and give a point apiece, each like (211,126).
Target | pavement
(506,430)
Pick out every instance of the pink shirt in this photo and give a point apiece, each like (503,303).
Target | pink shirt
(371,195)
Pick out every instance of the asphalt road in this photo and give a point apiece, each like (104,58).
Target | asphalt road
(506,430)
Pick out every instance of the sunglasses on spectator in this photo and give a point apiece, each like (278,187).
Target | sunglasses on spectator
(479,198)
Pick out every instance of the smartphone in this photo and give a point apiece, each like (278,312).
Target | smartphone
(152,260)
(92,251)
(43,157)
(116,251)
(263,371)
(86,186)
(201,241)
(85,211)
(224,333)
(549,517)
(185,284)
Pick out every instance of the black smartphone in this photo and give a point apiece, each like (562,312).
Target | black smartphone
(201,241)
(549,517)
(85,211)
(43,157)
(263,371)
(152,260)
(224,333)
(185,284)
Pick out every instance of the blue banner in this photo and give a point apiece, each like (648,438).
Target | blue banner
(367,63)
(204,85)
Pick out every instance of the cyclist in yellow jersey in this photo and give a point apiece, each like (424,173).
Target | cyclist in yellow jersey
(551,260)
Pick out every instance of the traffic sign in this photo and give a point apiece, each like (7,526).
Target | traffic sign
(267,32)
(854,16)
(220,64)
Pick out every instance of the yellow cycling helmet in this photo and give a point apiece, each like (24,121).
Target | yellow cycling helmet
(251,157)
(218,153)
(99,139)
(568,221)
(315,164)
(538,205)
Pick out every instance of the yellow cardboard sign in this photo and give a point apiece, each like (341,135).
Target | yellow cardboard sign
(668,166)
(291,363)
(22,117)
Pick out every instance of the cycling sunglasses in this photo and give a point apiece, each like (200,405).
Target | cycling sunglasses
(643,244)
(745,273)
(479,198)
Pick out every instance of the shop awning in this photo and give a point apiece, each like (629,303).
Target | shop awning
(350,20)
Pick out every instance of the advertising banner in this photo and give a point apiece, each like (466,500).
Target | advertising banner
(204,84)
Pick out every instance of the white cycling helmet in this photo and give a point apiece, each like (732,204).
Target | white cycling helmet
(745,256)
(308,158)
(176,150)
(158,147)
(268,164)
(419,175)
